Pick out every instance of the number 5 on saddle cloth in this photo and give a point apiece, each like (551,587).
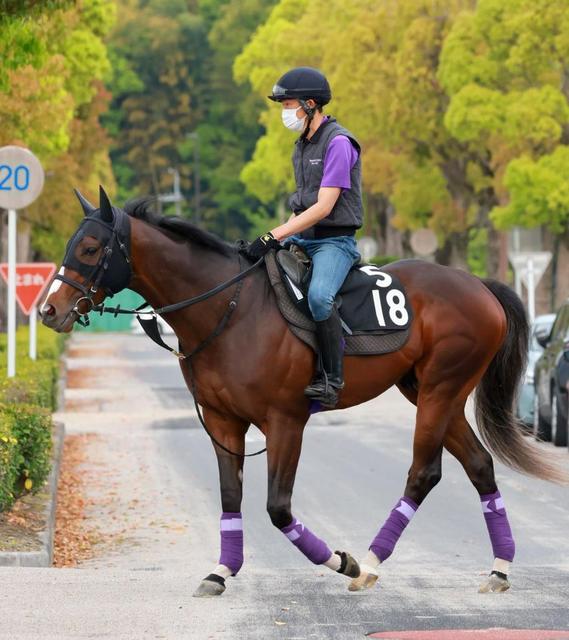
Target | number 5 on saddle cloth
(375,313)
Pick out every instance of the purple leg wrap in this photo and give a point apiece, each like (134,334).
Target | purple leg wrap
(314,549)
(315,407)
(231,529)
(496,518)
(385,541)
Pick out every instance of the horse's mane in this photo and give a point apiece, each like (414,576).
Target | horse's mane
(143,209)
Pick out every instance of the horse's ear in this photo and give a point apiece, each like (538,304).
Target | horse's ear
(88,208)
(105,206)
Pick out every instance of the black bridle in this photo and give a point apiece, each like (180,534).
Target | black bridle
(101,276)
(116,237)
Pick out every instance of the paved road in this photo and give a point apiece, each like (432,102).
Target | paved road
(156,489)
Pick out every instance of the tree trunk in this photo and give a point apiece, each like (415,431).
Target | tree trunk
(454,252)
(377,224)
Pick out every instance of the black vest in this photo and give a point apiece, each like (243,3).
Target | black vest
(308,162)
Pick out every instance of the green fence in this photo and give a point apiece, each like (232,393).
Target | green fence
(107,322)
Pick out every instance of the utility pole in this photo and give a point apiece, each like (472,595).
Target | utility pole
(197,193)
(176,195)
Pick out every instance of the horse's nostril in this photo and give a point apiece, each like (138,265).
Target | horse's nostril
(48,310)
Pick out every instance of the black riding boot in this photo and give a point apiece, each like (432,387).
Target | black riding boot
(326,385)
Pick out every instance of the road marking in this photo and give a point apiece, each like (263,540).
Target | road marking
(495,633)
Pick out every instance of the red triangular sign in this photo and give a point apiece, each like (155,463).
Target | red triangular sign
(31,280)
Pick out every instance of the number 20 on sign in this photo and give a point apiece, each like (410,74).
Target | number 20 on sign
(21,182)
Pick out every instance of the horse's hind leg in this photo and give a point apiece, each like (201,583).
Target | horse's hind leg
(462,442)
(433,415)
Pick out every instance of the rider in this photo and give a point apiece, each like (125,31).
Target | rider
(327,209)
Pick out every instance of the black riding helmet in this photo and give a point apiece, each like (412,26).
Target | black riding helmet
(302,83)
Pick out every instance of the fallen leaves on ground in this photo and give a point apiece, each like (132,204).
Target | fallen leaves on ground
(19,527)
(74,538)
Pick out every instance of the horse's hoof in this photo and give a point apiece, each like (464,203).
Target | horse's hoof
(349,565)
(364,581)
(494,584)
(213,585)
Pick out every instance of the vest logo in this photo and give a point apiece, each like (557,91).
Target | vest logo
(314,161)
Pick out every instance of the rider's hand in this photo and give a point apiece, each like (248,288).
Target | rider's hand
(262,245)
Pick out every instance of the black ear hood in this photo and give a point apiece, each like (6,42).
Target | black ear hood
(111,227)
(105,206)
(88,208)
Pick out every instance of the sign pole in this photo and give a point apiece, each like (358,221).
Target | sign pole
(12,226)
(33,332)
(22,182)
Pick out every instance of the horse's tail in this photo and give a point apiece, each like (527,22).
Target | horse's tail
(496,394)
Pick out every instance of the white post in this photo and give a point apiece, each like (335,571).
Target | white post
(518,282)
(12,226)
(531,292)
(33,332)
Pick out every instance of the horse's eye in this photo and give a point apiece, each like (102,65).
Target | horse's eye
(90,251)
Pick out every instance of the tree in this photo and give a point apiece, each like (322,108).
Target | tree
(162,47)
(51,99)
(538,192)
(172,90)
(382,68)
(230,125)
(505,67)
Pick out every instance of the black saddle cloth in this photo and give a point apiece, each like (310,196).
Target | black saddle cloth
(371,301)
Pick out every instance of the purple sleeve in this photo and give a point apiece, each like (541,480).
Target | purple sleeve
(338,162)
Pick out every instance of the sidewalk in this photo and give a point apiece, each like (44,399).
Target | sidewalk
(125,393)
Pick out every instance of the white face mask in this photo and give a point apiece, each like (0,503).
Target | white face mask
(290,120)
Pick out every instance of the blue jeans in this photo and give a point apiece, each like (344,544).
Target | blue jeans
(332,258)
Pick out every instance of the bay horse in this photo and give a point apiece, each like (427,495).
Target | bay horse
(467,334)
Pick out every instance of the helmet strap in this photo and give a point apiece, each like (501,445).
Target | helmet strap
(310,111)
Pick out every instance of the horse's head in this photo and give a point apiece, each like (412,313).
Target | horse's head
(96,264)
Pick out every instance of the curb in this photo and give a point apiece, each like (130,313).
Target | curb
(43,557)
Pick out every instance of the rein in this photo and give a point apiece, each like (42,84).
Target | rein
(150,327)
(94,279)
(184,303)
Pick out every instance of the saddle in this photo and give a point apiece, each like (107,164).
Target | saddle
(376,316)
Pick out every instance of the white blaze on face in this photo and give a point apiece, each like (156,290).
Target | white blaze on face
(54,287)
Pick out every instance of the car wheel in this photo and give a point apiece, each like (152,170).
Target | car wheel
(558,421)
(541,430)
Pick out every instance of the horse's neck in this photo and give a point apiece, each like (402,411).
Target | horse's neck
(168,271)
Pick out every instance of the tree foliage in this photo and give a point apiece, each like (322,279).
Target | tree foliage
(443,95)
(539,192)
(51,97)
(505,69)
(158,51)
(382,69)
(461,106)
(172,91)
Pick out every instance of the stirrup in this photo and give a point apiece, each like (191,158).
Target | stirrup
(324,391)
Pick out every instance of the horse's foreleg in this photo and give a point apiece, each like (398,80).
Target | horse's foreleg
(424,474)
(231,433)
(284,441)
(463,444)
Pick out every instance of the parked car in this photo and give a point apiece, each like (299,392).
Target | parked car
(551,382)
(541,327)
